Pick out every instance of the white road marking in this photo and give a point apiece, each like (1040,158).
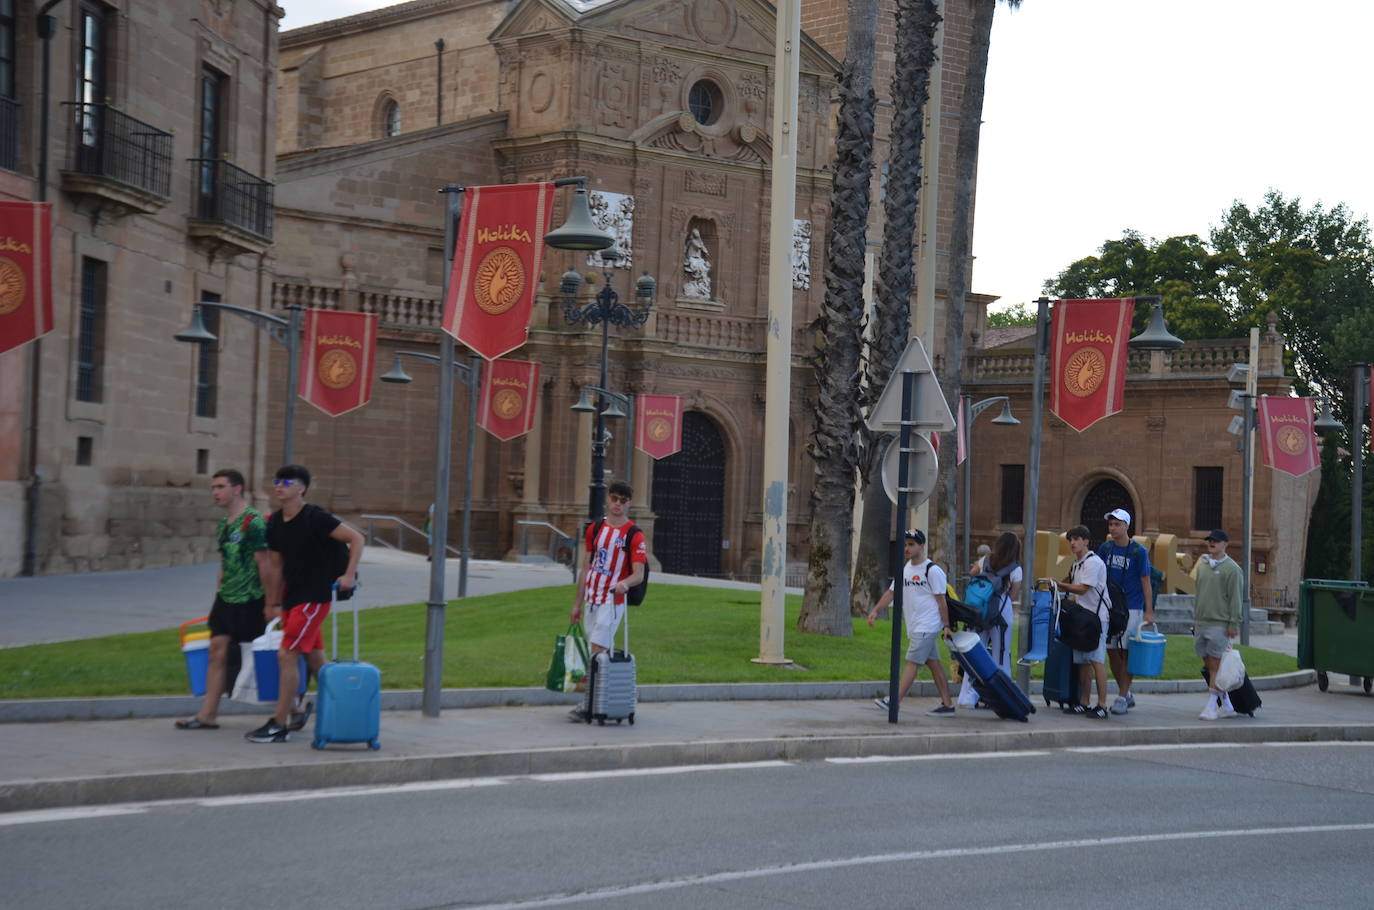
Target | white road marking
(867,759)
(670,769)
(554,900)
(75,813)
(466,783)
(1339,742)
(1158,747)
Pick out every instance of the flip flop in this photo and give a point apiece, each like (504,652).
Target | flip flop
(195,723)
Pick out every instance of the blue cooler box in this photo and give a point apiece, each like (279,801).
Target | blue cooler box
(1145,652)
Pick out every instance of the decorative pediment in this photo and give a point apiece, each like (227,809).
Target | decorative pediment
(679,131)
(534,17)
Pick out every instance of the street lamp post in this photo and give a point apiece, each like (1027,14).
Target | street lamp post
(1156,337)
(606,309)
(286,332)
(970,414)
(619,406)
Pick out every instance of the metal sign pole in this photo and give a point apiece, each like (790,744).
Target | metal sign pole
(898,555)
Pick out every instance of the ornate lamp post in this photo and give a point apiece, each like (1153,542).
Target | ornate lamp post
(606,309)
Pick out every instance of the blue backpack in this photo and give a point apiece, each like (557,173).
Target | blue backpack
(984,592)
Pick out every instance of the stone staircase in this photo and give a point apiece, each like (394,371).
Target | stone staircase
(1174,614)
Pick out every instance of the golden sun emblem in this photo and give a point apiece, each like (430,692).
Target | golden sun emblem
(1291,440)
(500,281)
(508,404)
(337,369)
(659,429)
(13,286)
(1084,371)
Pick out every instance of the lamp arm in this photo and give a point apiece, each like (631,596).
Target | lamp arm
(462,370)
(622,400)
(272,325)
(976,409)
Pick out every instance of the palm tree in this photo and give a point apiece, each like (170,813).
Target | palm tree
(965,169)
(917,21)
(833,446)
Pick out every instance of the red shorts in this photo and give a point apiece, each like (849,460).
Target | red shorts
(300,626)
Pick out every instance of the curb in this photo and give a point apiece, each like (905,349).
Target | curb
(372,771)
(125,707)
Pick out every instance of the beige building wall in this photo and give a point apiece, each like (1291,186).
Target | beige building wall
(125,477)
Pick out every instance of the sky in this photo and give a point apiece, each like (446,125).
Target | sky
(1107,115)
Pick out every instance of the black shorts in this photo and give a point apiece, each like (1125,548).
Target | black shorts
(241,621)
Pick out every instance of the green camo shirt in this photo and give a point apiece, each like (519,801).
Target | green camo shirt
(237,544)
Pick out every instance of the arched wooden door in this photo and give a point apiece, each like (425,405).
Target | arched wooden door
(689,500)
(1104,496)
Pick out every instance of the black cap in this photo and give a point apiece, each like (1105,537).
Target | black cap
(917,535)
(1218,535)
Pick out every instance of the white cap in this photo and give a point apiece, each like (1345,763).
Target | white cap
(1119,513)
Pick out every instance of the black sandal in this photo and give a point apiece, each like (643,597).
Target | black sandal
(195,723)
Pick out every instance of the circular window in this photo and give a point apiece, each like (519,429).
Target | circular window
(705,102)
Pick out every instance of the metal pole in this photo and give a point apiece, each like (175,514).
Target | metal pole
(293,374)
(782,209)
(898,559)
(1042,326)
(597,505)
(1247,506)
(630,439)
(474,392)
(438,537)
(1361,402)
(966,412)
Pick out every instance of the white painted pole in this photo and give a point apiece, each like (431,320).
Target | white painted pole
(923,314)
(778,395)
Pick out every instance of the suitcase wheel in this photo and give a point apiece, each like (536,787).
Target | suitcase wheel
(1366,688)
(1047,701)
(1368,684)
(1322,680)
(374,745)
(317,744)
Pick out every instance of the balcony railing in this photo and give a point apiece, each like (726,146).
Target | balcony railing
(230,195)
(9,134)
(106,142)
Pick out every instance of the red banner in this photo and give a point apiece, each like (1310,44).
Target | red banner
(1088,351)
(496,265)
(510,394)
(339,356)
(25,272)
(658,425)
(1286,436)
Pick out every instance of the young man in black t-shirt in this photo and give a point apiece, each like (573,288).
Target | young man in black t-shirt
(300,587)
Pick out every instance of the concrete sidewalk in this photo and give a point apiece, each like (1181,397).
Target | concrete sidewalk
(144,759)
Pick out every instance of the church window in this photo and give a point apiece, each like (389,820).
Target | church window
(705,101)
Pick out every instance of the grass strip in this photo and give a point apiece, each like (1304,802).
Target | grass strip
(682,634)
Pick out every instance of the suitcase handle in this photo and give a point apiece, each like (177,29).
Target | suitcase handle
(334,626)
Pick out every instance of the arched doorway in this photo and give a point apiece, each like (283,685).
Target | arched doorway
(1104,496)
(689,500)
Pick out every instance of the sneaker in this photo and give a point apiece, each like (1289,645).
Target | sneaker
(578,715)
(1075,709)
(881,701)
(1130,699)
(1097,712)
(1210,712)
(270,732)
(1120,706)
(1224,709)
(942,711)
(300,718)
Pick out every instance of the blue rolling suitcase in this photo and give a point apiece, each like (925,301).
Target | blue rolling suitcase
(1061,673)
(349,698)
(990,681)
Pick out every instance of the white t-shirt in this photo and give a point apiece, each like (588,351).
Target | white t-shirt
(1092,571)
(920,584)
(1012,579)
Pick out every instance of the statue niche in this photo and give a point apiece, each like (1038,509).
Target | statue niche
(696,264)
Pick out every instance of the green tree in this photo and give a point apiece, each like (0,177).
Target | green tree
(1016,315)
(1328,553)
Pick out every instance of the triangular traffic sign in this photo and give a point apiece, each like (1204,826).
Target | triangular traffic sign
(929,411)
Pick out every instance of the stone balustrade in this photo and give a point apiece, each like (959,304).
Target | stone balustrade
(401,309)
(1196,358)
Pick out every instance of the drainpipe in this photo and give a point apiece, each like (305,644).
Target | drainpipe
(46,27)
(439,93)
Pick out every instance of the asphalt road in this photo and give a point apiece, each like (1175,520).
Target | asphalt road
(1159,827)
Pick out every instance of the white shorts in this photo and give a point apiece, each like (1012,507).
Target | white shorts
(601,622)
(1122,642)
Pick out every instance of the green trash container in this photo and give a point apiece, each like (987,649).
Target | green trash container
(1336,629)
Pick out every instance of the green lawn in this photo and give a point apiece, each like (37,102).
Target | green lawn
(682,634)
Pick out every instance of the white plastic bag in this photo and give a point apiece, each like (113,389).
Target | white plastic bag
(574,660)
(1231,673)
(246,684)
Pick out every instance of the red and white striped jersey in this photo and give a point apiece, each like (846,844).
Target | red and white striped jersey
(608,563)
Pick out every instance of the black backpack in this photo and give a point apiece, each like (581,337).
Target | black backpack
(1118,614)
(634,596)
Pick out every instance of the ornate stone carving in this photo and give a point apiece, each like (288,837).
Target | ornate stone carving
(801,254)
(696,265)
(613,94)
(540,92)
(714,21)
(707,184)
(614,212)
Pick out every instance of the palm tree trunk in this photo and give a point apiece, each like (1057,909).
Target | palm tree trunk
(915,49)
(834,447)
(961,237)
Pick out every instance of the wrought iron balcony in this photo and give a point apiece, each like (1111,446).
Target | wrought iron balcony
(231,205)
(9,133)
(118,158)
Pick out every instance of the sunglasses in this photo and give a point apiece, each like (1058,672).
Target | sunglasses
(619,499)
(283,482)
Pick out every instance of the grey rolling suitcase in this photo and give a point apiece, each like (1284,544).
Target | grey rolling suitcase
(614,690)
